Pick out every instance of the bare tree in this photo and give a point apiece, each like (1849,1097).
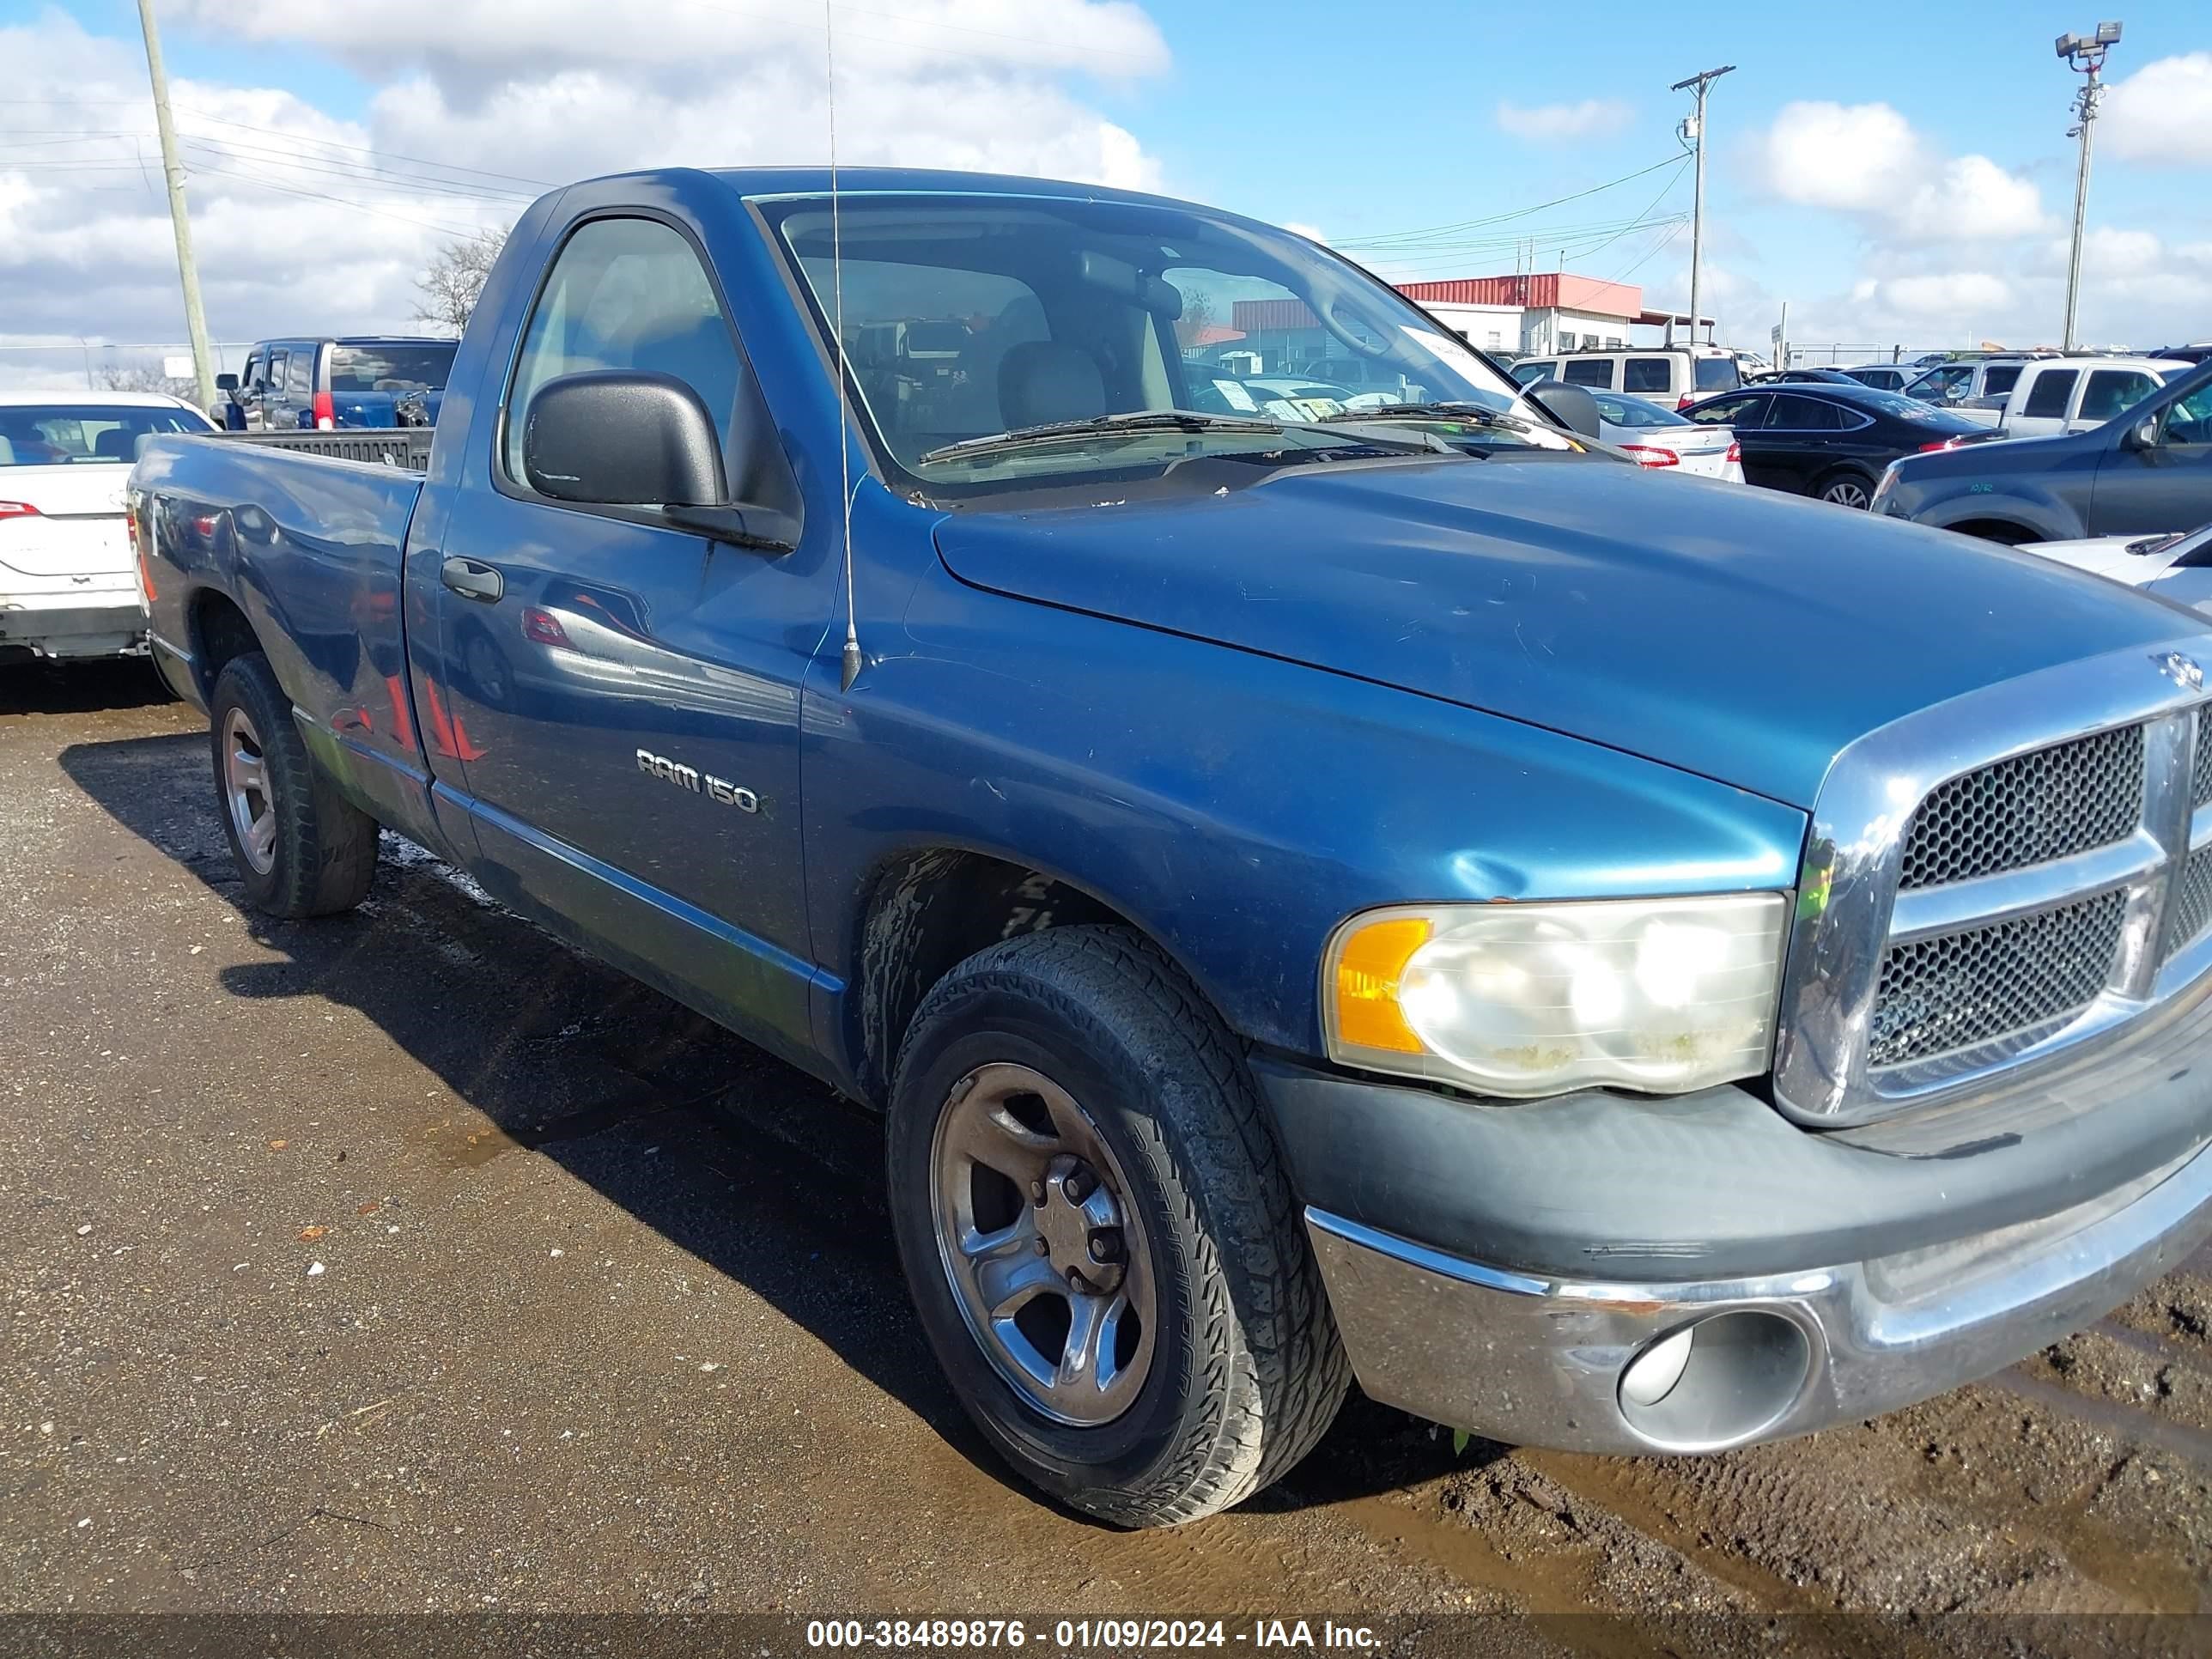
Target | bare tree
(116,377)
(1197,317)
(449,285)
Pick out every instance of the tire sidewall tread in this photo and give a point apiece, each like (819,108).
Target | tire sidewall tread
(1247,1371)
(326,847)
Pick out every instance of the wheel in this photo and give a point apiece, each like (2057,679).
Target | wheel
(1847,490)
(1098,1234)
(302,848)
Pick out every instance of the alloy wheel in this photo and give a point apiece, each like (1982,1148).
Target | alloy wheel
(245,792)
(1039,1236)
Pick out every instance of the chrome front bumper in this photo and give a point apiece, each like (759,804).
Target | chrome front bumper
(1539,1361)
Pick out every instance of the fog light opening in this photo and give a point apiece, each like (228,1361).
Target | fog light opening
(1717,1382)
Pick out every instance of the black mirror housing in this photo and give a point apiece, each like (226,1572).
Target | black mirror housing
(1572,406)
(226,383)
(620,437)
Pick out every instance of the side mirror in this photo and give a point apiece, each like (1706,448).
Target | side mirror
(1570,405)
(226,383)
(2143,434)
(619,437)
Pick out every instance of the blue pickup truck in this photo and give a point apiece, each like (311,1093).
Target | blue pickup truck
(1614,963)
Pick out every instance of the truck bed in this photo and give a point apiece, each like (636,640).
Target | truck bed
(309,545)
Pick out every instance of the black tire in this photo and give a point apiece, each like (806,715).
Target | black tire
(321,850)
(1834,484)
(1246,1371)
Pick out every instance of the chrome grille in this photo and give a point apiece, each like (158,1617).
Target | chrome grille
(2067,798)
(2031,904)
(2192,909)
(1940,995)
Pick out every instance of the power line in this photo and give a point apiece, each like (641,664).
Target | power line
(1394,236)
(263,155)
(202,168)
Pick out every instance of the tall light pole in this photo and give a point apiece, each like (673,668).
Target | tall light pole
(1691,133)
(2085,55)
(173,170)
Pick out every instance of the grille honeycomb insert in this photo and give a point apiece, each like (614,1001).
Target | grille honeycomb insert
(2030,808)
(2192,910)
(1963,989)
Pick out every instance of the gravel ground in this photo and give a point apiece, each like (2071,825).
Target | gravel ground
(408,1262)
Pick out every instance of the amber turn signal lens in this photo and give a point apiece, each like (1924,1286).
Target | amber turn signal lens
(1368,968)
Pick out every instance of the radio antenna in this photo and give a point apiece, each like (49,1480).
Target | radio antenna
(851,671)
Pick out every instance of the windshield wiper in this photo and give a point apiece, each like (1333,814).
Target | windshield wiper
(1137,420)
(1475,414)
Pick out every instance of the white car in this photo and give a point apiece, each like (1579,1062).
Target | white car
(69,579)
(2177,566)
(1659,437)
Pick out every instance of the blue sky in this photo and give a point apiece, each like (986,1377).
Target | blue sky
(1897,172)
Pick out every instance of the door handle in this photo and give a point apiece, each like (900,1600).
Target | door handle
(472,580)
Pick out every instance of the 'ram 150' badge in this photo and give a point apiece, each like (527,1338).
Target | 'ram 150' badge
(699,783)
(2183,670)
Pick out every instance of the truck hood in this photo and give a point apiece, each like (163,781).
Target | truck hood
(1729,631)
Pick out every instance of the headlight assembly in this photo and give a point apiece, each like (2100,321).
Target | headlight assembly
(1520,1000)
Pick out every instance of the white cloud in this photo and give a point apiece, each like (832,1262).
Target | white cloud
(1593,118)
(2161,115)
(306,222)
(1866,159)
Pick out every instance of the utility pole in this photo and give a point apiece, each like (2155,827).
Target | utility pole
(1691,133)
(173,171)
(2085,55)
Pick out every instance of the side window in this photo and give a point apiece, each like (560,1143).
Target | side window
(1999,381)
(2047,396)
(1795,413)
(1531,370)
(625,293)
(300,375)
(277,360)
(1647,374)
(2113,391)
(1742,413)
(2189,420)
(251,375)
(1589,371)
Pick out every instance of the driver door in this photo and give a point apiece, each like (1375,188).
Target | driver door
(621,696)
(2164,485)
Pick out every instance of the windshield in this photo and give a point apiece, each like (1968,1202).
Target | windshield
(390,367)
(56,434)
(966,316)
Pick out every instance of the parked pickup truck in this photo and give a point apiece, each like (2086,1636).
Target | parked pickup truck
(1616,962)
(2146,472)
(2068,394)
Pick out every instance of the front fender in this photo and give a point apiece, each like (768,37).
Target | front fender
(1234,806)
(2051,518)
